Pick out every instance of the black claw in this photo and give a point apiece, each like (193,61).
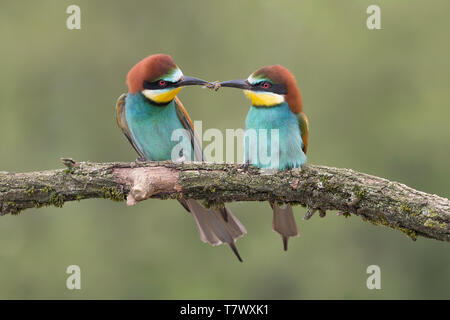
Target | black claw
(233,247)
(285,242)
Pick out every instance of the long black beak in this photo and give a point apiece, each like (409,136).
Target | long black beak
(191,81)
(240,84)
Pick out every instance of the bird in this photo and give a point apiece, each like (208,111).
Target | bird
(149,114)
(276,103)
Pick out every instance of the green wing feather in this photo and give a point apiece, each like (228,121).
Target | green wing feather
(304,129)
(122,122)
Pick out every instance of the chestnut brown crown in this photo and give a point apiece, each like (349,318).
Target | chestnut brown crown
(282,76)
(149,69)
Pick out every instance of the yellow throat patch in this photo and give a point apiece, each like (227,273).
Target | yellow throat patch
(264,99)
(161,96)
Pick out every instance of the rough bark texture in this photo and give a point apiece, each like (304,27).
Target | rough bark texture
(321,188)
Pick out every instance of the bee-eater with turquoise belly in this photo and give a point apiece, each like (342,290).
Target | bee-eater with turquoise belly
(149,114)
(276,104)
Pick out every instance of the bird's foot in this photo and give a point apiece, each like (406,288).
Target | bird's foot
(245,166)
(140,159)
(180,160)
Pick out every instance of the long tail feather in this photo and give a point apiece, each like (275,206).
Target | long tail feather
(235,251)
(216,226)
(284,223)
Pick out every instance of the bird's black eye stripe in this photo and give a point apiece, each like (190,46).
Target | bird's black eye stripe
(270,87)
(159,84)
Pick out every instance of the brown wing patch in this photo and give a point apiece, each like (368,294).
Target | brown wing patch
(304,129)
(179,104)
(189,126)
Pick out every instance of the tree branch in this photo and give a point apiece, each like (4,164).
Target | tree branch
(320,188)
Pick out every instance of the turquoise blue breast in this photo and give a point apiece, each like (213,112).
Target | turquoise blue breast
(152,126)
(261,151)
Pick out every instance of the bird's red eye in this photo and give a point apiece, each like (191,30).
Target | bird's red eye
(266,85)
(162,83)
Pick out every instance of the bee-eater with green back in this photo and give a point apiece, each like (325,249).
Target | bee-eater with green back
(149,114)
(276,104)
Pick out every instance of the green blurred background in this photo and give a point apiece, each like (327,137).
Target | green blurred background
(378,102)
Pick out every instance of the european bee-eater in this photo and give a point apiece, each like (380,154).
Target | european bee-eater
(276,104)
(148,115)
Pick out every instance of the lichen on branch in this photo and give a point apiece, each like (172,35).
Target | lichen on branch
(320,188)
